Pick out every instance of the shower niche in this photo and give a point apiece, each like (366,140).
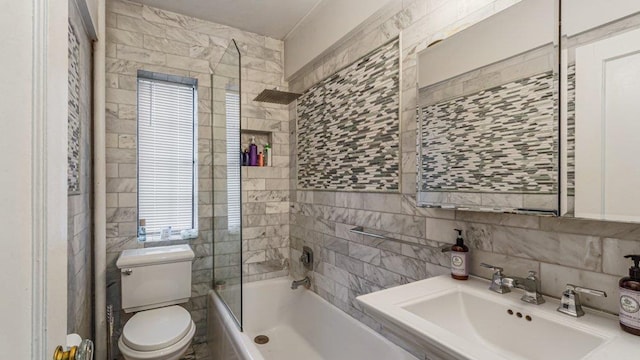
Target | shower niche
(261,138)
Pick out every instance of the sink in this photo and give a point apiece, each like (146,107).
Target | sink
(500,328)
(451,319)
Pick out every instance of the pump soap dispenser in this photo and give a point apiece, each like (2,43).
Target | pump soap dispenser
(459,257)
(630,298)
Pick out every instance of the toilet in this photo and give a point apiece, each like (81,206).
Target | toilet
(154,281)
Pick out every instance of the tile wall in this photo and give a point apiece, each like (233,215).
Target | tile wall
(79,201)
(147,38)
(348,126)
(498,130)
(561,250)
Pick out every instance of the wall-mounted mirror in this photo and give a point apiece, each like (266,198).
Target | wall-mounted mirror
(600,121)
(488,114)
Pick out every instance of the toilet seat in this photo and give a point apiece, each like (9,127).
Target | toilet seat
(173,352)
(156,329)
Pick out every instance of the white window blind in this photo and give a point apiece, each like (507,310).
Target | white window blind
(166,155)
(232,109)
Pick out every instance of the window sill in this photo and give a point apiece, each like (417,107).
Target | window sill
(174,237)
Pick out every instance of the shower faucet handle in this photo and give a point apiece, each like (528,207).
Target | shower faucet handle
(307,257)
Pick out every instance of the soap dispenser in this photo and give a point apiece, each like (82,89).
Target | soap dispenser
(630,298)
(459,257)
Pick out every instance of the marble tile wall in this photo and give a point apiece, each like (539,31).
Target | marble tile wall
(561,250)
(147,38)
(79,201)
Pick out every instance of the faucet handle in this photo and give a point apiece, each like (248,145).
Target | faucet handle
(531,275)
(570,303)
(497,269)
(584,290)
(497,284)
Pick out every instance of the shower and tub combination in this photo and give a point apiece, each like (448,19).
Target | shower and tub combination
(275,319)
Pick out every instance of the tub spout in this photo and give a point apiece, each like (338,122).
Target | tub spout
(306,282)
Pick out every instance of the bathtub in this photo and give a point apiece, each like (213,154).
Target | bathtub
(299,324)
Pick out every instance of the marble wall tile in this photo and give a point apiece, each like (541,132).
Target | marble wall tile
(382,277)
(119,36)
(413,268)
(403,224)
(523,221)
(338,275)
(165,45)
(360,286)
(139,26)
(584,252)
(624,231)
(513,266)
(365,253)
(336,244)
(613,252)
(350,264)
(382,202)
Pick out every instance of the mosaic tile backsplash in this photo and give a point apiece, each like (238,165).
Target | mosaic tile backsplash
(499,140)
(348,126)
(73,142)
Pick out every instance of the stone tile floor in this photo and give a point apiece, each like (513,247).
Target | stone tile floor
(195,352)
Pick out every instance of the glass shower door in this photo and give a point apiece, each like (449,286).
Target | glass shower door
(227,204)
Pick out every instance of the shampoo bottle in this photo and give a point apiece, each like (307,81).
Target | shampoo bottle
(630,298)
(267,155)
(245,158)
(142,230)
(253,152)
(459,257)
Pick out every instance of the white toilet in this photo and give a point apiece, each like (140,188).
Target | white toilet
(154,280)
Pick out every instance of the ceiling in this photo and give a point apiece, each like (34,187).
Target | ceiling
(273,18)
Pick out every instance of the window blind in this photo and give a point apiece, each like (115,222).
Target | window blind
(166,157)
(232,109)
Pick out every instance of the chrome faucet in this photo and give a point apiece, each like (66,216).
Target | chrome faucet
(570,302)
(306,282)
(503,284)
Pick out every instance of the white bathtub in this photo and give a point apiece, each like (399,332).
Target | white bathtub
(299,324)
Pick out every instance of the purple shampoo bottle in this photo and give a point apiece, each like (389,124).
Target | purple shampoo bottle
(253,152)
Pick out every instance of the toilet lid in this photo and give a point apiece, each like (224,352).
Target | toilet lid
(156,329)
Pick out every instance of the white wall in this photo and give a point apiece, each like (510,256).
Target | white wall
(520,28)
(33,200)
(324,26)
(588,14)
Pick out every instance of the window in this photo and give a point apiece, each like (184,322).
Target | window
(232,109)
(167,151)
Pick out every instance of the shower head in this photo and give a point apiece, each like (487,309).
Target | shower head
(276,96)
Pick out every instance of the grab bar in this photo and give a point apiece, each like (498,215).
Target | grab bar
(384,236)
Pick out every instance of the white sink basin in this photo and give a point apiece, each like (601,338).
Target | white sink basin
(453,319)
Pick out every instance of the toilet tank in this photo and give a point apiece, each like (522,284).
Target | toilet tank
(155,277)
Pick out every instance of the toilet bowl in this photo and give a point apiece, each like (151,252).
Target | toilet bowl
(157,334)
